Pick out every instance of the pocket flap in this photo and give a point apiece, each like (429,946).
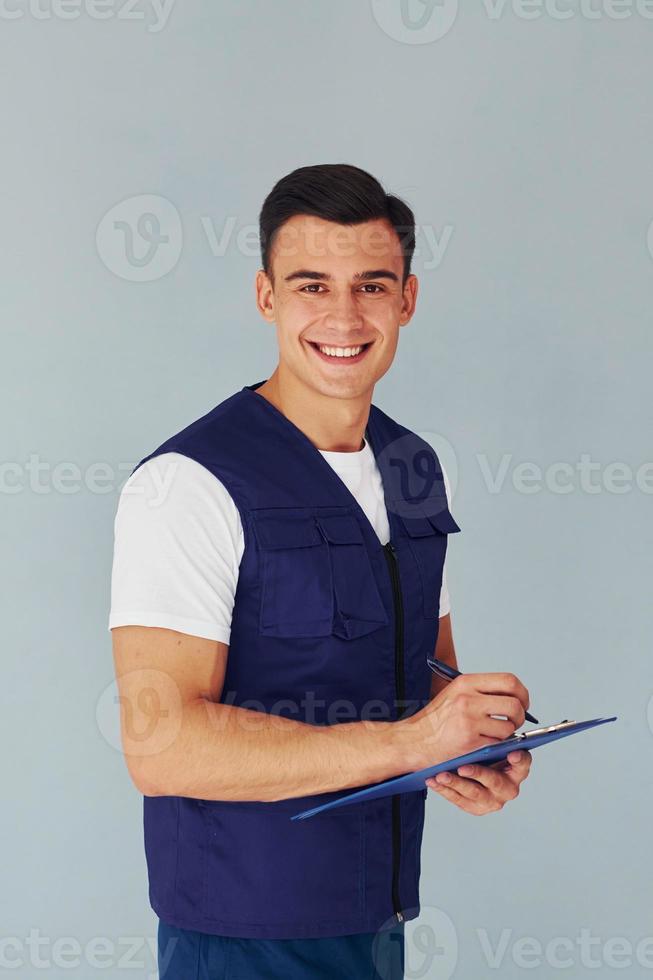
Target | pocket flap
(287,532)
(444,521)
(341,529)
(439,520)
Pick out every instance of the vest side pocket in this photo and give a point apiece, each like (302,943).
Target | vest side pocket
(265,869)
(427,537)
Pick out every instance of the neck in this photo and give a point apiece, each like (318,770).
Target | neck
(332,424)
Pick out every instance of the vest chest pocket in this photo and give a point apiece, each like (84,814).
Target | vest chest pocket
(428,535)
(316,576)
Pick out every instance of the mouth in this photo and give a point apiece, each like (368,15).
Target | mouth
(340,355)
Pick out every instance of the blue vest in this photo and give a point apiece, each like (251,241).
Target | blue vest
(328,626)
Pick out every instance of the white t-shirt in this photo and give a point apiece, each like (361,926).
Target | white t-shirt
(178,542)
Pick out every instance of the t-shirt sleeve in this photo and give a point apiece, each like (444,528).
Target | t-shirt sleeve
(178,542)
(445,603)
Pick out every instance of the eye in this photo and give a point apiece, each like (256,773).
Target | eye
(316,288)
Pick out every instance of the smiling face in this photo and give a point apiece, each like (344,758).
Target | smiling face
(336,292)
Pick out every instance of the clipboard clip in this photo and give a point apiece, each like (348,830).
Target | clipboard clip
(541,731)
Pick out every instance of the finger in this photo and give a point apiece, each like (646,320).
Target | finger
(514,758)
(497,784)
(500,683)
(497,728)
(502,766)
(519,765)
(517,770)
(469,806)
(516,765)
(471,789)
(489,783)
(512,708)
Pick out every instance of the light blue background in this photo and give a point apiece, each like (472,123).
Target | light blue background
(529,140)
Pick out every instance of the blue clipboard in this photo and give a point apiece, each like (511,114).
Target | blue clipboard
(486,755)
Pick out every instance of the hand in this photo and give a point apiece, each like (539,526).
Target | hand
(484,789)
(472,711)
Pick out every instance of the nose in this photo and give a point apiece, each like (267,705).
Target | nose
(343,313)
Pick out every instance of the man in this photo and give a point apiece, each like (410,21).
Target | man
(277,587)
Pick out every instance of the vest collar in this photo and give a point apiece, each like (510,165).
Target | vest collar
(339,487)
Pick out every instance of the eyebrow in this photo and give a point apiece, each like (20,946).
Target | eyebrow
(358,277)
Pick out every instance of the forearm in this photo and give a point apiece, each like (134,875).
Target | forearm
(222,752)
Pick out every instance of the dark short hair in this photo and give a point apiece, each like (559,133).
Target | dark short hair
(336,192)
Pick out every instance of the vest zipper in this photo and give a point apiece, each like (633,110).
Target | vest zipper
(393,566)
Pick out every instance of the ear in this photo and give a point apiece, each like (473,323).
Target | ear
(409,300)
(264,296)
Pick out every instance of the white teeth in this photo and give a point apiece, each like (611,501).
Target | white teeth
(341,351)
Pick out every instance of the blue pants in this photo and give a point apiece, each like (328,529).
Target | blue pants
(187,955)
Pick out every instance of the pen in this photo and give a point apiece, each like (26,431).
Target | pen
(444,670)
